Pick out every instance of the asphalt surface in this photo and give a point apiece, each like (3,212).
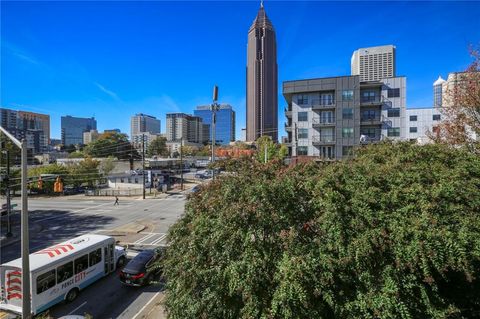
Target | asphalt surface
(64,218)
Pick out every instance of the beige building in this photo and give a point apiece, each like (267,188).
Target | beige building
(374,63)
(90,136)
(262,79)
(187,127)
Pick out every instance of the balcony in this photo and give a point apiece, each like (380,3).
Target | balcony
(319,122)
(288,127)
(288,113)
(371,120)
(368,136)
(321,104)
(323,140)
(371,100)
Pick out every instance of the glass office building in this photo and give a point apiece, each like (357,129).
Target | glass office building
(225,124)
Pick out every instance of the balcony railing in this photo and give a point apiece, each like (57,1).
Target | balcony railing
(323,139)
(288,113)
(323,121)
(322,103)
(288,127)
(371,120)
(371,100)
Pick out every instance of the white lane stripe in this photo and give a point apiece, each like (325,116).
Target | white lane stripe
(146,305)
(157,241)
(74,310)
(144,238)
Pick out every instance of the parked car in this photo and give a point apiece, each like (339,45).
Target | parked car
(142,269)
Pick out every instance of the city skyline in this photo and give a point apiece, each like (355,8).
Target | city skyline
(127,70)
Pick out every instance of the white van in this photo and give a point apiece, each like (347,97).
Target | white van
(59,272)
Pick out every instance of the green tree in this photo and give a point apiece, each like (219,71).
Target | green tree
(76,154)
(107,165)
(274,150)
(111,144)
(393,233)
(158,147)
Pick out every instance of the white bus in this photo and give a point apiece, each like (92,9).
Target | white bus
(59,272)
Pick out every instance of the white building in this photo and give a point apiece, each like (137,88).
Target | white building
(374,63)
(421,122)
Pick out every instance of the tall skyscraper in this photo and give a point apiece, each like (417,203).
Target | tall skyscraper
(262,91)
(73,128)
(141,123)
(225,124)
(438,92)
(374,63)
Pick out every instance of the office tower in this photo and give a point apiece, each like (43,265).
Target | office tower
(141,123)
(225,123)
(262,104)
(328,117)
(374,63)
(73,128)
(438,92)
(34,127)
(187,127)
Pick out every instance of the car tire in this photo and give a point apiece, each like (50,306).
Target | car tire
(72,295)
(121,261)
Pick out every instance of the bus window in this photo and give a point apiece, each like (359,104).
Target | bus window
(95,257)
(45,281)
(81,264)
(64,272)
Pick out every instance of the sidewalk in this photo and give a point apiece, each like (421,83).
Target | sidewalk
(15,220)
(154,308)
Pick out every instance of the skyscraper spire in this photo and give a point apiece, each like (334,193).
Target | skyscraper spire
(261,3)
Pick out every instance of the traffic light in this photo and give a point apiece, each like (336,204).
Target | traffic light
(58,185)
(40,182)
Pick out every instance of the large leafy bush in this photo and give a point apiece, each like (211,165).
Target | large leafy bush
(393,233)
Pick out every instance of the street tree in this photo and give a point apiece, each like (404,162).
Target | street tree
(112,144)
(158,147)
(393,233)
(274,150)
(107,165)
(461,110)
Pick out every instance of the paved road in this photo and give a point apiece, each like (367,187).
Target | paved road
(63,218)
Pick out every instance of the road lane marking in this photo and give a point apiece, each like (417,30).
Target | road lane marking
(146,305)
(145,238)
(157,241)
(71,312)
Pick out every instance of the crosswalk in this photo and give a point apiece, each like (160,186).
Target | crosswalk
(150,239)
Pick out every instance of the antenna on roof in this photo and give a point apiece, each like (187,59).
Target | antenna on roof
(261,3)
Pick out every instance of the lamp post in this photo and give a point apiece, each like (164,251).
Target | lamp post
(214,108)
(25,251)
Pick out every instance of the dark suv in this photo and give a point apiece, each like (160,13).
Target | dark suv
(143,268)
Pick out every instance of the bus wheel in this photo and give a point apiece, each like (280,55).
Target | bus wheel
(72,294)
(121,261)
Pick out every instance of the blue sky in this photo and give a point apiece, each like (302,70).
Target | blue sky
(113,59)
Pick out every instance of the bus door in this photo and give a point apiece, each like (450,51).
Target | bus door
(109,258)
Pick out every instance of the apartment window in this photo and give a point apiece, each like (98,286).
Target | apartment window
(413,118)
(370,96)
(369,115)
(347,151)
(347,95)
(436,117)
(302,116)
(326,99)
(326,117)
(302,150)
(370,132)
(347,113)
(393,93)
(302,99)
(303,133)
(347,132)
(393,113)
(394,131)
(413,129)
(327,152)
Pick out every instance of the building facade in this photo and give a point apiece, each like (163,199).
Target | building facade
(262,90)
(328,117)
(187,127)
(141,123)
(90,136)
(73,128)
(421,122)
(33,127)
(224,125)
(438,92)
(374,63)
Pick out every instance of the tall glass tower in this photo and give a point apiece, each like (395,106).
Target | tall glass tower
(262,90)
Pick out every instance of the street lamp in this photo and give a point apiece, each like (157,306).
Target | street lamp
(26,306)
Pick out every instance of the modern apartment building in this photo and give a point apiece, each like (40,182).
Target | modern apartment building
(262,87)
(374,63)
(224,125)
(34,127)
(138,140)
(141,123)
(187,127)
(420,122)
(73,128)
(328,117)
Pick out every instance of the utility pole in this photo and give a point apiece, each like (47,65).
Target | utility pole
(25,251)
(7,190)
(181,163)
(214,109)
(143,163)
